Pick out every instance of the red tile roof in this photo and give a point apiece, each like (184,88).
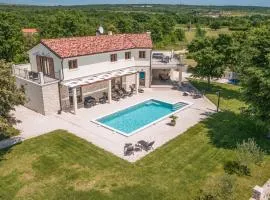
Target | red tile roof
(29,30)
(80,46)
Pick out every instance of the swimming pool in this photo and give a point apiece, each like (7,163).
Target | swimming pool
(139,116)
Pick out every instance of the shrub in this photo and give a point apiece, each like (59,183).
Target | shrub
(6,129)
(233,167)
(219,188)
(249,152)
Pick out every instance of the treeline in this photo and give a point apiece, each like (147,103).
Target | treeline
(54,22)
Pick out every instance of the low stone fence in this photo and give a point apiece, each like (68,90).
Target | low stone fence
(261,193)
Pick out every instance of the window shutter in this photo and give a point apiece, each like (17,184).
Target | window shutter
(51,66)
(38,63)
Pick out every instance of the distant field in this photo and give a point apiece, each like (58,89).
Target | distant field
(190,35)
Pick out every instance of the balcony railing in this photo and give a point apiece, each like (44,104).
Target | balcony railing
(23,71)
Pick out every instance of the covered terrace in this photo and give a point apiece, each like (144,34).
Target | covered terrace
(107,81)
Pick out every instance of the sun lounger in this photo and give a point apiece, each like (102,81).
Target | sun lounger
(128,149)
(145,145)
(103,99)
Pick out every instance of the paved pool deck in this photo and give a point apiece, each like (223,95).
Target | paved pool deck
(34,124)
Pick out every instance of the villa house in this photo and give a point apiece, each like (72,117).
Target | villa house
(62,72)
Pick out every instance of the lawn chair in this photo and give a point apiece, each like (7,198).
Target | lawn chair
(145,145)
(128,149)
(115,96)
(104,98)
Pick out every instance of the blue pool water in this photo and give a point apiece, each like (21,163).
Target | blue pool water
(135,117)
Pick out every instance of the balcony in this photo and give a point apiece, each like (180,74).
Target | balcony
(24,71)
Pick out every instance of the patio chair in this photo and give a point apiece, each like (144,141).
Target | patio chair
(89,102)
(127,93)
(121,93)
(145,145)
(128,149)
(115,96)
(132,89)
(141,90)
(33,75)
(104,98)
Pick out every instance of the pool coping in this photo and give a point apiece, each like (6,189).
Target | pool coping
(146,126)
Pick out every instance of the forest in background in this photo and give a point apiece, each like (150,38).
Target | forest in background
(170,26)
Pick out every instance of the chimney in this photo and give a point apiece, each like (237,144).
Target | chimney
(97,33)
(148,33)
(110,33)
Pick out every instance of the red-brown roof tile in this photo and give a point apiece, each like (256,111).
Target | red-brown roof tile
(29,30)
(80,46)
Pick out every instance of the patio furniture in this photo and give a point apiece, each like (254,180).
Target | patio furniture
(128,93)
(128,149)
(104,98)
(132,89)
(115,96)
(140,90)
(138,147)
(33,75)
(164,77)
(121,93)
(89,102)
(145,145)
(185,94)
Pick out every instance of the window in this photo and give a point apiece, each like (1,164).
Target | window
(127,55)
(72,64)
(113,57)
(141,54)
(45,65)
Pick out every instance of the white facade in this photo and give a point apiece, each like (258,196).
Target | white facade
(41,50)
(90,64)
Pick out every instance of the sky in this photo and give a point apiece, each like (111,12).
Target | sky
(188,2)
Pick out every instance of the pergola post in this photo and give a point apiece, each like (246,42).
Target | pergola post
(110,91)
(74,91)
(180,75)
(137,83)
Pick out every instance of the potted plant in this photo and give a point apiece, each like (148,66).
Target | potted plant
(173,120)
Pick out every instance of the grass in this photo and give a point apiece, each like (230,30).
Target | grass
(190,35)
(230,98)
(60,165)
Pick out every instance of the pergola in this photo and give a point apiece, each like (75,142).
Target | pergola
(108,76)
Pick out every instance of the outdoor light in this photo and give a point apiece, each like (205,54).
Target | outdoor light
(218,94)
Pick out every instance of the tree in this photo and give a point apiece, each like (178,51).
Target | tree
(180,34)
(200,33)
(215,25)
(10,95)
(209,64)
(11,42)
(199,43)
(255,72)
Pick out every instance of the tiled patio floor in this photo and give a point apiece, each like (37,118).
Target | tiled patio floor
(34,124)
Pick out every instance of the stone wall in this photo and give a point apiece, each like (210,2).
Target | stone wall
(261,193)
(43,99)
(95,90)
(51,98)
(64,96)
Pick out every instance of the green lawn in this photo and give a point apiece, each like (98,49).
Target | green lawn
(230,94)
(60,165)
